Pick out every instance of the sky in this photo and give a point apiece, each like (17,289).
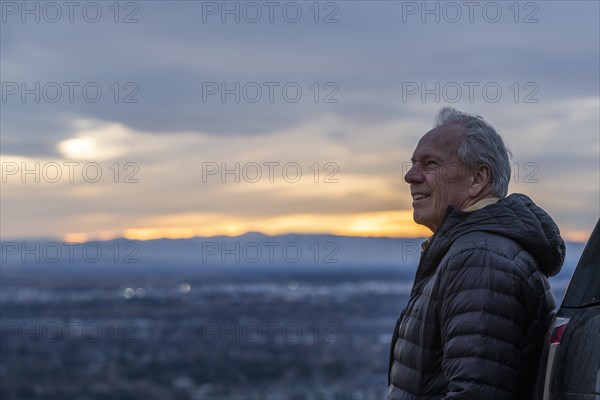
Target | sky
(150,119)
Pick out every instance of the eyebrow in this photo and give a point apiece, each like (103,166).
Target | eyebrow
(427,155)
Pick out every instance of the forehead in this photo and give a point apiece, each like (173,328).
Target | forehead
(442,141)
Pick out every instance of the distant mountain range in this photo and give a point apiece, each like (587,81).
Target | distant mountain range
(247,250)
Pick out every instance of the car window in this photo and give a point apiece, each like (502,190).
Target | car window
(584,289)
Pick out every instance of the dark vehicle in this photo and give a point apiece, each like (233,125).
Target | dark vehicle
(570,367)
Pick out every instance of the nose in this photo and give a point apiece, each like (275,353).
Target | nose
(414,174)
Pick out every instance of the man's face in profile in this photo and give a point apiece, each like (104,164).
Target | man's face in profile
(437,177)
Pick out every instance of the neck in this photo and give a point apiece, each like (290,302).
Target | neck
(482,202)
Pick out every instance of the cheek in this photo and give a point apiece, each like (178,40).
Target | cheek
(453,174)
(438,180)
(440,203)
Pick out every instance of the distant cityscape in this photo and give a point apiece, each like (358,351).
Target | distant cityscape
(175,326)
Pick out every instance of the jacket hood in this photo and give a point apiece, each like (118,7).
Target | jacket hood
(516,217)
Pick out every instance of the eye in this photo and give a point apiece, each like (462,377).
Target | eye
(431,163)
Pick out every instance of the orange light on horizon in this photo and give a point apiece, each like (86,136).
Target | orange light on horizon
(81,237)
(381,223)
(368,224)
(576,236)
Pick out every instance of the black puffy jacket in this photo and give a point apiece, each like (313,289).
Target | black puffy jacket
(480,306)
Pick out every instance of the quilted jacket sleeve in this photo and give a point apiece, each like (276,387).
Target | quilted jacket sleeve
(482,318)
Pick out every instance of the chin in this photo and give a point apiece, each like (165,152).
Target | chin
(416,218)
(419,219)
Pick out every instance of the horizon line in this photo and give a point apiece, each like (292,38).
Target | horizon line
(576,238)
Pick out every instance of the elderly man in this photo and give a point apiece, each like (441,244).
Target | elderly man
(480,304)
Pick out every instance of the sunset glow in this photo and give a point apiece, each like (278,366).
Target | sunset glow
(209,138)
(387,223)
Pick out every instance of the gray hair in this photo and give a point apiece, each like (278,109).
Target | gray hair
(482,146)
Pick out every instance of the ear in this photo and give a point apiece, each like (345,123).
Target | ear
(479,180)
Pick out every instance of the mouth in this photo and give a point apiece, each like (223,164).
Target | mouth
(420,196)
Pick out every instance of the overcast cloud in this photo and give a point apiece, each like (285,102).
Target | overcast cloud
(532,71)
